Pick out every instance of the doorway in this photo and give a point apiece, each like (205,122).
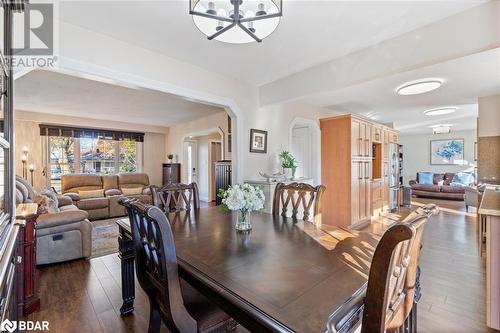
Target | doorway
(191,161)
(200,154)
(305,146)
(301,150)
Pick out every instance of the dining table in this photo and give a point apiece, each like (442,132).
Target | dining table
(283,275)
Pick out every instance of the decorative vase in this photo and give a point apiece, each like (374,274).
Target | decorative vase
(288,173)
(244,221)
(294,170)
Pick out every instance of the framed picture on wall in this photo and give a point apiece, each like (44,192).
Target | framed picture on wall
(258,141)
(446,152)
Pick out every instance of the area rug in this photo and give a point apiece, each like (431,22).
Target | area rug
(104,237)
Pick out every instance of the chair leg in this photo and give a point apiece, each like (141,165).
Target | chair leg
(154,318)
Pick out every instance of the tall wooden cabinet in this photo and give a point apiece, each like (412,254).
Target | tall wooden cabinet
(355,169)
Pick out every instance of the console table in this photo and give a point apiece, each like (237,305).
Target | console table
(28,300)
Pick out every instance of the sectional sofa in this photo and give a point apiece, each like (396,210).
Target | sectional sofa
(98,195)
(442,186)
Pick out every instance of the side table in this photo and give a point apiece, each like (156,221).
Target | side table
(28,300)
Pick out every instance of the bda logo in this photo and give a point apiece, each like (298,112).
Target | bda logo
(8,325)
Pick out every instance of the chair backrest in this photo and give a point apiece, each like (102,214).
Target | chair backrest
(298,195)
(176,197)
(156,263)
(393,274)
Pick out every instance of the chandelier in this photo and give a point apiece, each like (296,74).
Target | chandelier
(236,21)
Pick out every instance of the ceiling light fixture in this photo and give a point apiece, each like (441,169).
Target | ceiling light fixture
(441,130)
(254,21)
(419,86)
(440,111)
(441,125)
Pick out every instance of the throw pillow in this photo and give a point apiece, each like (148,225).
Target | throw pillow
(425,178)
(51,194)
(132,190)
(441,183)
(46,205)
(91,194)
(463,178)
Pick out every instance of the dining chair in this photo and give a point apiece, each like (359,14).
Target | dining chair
(176,197)
(172,300)
(298,195)
(471,197)
(388,299)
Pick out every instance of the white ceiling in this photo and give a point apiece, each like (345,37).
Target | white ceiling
(310,33)
(61,94)
(465,79)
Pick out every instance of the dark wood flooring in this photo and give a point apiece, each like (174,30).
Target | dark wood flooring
(84,295)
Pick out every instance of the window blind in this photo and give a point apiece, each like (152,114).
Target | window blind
(81,132)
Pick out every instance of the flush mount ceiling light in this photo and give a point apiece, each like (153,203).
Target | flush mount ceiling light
(440,111)
(441,128)
(419,86)
(254,19)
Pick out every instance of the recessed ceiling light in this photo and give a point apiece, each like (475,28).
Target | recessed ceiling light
(440,111)
(419,86)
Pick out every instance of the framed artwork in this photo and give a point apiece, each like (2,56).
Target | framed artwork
(258,141)
(446,152)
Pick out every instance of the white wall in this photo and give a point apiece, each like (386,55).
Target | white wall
(489,116)
(416,150)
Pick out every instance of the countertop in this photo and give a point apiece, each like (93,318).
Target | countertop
(490,204)
(264,181)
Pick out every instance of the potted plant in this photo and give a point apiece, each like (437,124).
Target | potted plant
(170,157)
(245,199)
(289,164)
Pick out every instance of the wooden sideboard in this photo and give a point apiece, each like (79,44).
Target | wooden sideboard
(269,187)
(354,169)
(28,300)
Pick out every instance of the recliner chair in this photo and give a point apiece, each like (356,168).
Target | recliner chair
(61,236)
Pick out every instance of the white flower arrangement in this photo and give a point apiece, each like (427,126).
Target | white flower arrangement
(245,198)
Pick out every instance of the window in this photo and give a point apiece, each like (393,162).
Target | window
(90,155)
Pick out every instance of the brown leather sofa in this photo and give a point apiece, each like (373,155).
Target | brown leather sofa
(440,187)
(108,190)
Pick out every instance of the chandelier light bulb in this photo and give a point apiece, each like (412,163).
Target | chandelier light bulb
(220,25)
(250,27)
(211,8)
(261,10)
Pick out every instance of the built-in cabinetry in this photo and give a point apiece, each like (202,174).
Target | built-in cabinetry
(355,169)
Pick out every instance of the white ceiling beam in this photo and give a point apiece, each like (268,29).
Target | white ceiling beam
(469,32)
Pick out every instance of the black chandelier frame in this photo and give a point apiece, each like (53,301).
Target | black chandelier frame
(236,20)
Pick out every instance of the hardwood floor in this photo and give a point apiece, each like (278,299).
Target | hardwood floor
(84,296)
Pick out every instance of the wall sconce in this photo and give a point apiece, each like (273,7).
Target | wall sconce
(31,169)
(24,159)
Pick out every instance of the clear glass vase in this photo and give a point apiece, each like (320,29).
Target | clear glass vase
(244,221)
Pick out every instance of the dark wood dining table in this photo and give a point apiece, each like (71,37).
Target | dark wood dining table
(282,276)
